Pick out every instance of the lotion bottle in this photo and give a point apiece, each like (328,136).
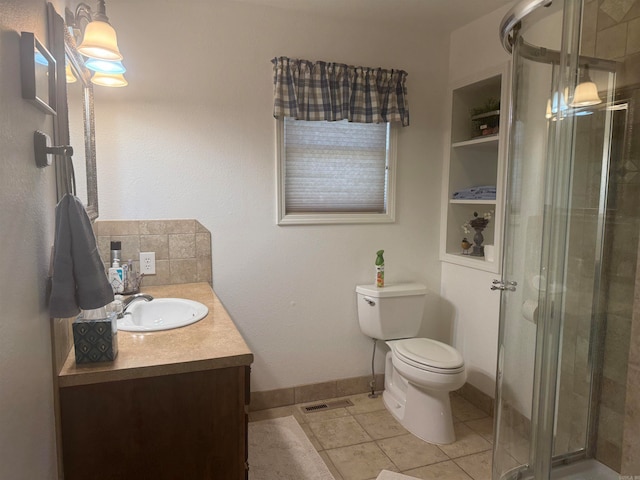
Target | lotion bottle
(116,276)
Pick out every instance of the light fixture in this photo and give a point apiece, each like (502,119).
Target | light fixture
(104,66)
(40,59)
(99,44)
(109,80)
(71,78)
(99,37)
(557,104)
(586,92)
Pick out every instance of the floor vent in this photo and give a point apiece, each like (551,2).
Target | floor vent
(320,407)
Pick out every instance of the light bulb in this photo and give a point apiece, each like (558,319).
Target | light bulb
(100,41)
(109,80)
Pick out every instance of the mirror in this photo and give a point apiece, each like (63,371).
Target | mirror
(38,73)
(81,127)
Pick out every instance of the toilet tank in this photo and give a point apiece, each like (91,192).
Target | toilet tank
(390,312)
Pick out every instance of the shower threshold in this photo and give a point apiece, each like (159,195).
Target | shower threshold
(582,470)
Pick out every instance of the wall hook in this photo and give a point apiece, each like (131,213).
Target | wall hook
(42,149)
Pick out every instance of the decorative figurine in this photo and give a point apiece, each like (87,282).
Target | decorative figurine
(466,245)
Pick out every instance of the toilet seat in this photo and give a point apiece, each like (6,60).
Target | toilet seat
(427,354)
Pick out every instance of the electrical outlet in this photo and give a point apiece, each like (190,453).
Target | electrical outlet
(148,263)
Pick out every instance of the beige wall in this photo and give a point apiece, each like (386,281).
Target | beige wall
(27,202)
(193,136)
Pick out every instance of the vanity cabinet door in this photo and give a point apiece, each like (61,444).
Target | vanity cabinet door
(247,401)
(189,426)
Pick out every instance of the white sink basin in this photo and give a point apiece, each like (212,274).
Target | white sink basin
(161,314)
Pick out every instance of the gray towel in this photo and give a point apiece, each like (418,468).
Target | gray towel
(79,280)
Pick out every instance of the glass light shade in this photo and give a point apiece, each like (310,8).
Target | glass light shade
(558,103)
(109,80)
(100,41)
(40,59)
(71,78)
(548,113)
(586,94)
(104,66)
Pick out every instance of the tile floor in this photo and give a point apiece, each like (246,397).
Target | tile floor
(358,442)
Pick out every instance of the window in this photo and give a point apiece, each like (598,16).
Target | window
(335,172)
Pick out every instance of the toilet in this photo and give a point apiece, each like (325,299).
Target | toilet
(419,372)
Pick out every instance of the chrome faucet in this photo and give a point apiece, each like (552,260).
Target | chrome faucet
(129,300)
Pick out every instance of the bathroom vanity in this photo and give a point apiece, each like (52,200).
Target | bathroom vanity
(172,405)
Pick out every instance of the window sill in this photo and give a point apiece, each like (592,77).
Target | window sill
(335,218)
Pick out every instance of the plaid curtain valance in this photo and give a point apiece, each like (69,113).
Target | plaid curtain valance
(308,90)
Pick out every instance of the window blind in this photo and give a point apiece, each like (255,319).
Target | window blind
(335,166)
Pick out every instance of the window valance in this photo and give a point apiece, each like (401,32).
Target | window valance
(307,90)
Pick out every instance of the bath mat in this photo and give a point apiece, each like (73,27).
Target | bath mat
(387,475)
(280,450)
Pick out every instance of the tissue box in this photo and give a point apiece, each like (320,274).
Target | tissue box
(95,340)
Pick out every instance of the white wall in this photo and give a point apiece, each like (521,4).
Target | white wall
(27,203)
(193,136)
(476,46)
(475,308)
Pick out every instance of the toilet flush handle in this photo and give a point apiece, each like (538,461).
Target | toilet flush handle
(369,301)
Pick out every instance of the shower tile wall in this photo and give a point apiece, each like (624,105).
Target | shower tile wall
(611,30)
(182,248)
(573,401)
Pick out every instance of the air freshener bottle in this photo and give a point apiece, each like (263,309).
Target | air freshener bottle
(379,269)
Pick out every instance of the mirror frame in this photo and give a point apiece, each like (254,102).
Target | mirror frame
(88,115)
(55,35)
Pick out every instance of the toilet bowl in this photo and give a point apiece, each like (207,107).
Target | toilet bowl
(419,372)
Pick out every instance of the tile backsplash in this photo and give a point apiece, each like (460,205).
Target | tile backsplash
(182,248)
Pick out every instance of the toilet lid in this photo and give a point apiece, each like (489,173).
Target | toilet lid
(429,353)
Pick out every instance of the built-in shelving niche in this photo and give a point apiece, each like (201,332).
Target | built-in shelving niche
(473,160)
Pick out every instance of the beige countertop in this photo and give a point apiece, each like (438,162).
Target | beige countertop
(213,342)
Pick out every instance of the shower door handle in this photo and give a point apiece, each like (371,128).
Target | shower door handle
(500,285)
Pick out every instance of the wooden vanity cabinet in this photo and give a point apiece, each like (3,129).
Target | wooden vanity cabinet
(188,426)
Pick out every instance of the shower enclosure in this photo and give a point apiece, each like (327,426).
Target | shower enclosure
(571,243)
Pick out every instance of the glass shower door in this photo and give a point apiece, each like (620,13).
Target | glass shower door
(522,279)
(554,226)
